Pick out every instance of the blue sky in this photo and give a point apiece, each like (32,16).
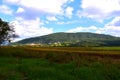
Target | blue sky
(40,17)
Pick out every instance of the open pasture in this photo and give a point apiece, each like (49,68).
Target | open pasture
(59,63)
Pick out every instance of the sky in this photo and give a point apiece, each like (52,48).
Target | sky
(32,18)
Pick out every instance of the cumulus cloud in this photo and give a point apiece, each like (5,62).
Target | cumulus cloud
(30,28)
(51,18)
(112,28)
(20,10)
(68,22)
(99,9)
(115,22)
(83,29)
(30,9)
(69,12)
(54,6)
(5,9)
(11,1)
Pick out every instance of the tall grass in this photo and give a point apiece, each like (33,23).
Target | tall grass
(41,69)
(18,63)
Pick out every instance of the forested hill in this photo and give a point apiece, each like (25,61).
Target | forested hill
(73,39)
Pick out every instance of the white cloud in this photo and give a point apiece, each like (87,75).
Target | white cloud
(30,28)
(68,22)
(29,9)
(112,28)
(20,10)
(51,18)
(115,22)
(53,6)
(83,29)
(106,6)
(71,0)
(69,12)
(11,1)
(5,9)
(100,9)
(46,6)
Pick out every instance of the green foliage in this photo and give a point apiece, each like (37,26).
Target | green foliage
(6,32)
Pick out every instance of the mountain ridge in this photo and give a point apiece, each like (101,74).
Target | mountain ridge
(73,39)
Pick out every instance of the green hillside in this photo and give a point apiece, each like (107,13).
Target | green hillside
(73,39)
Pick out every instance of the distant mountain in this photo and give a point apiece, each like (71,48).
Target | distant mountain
(73,39)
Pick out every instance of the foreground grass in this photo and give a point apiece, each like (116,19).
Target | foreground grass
(18,63)
(41,69)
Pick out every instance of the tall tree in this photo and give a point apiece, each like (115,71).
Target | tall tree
(6,32)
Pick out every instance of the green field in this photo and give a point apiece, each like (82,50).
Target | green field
(60,63)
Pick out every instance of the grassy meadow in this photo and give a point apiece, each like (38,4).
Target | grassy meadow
(59,63)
